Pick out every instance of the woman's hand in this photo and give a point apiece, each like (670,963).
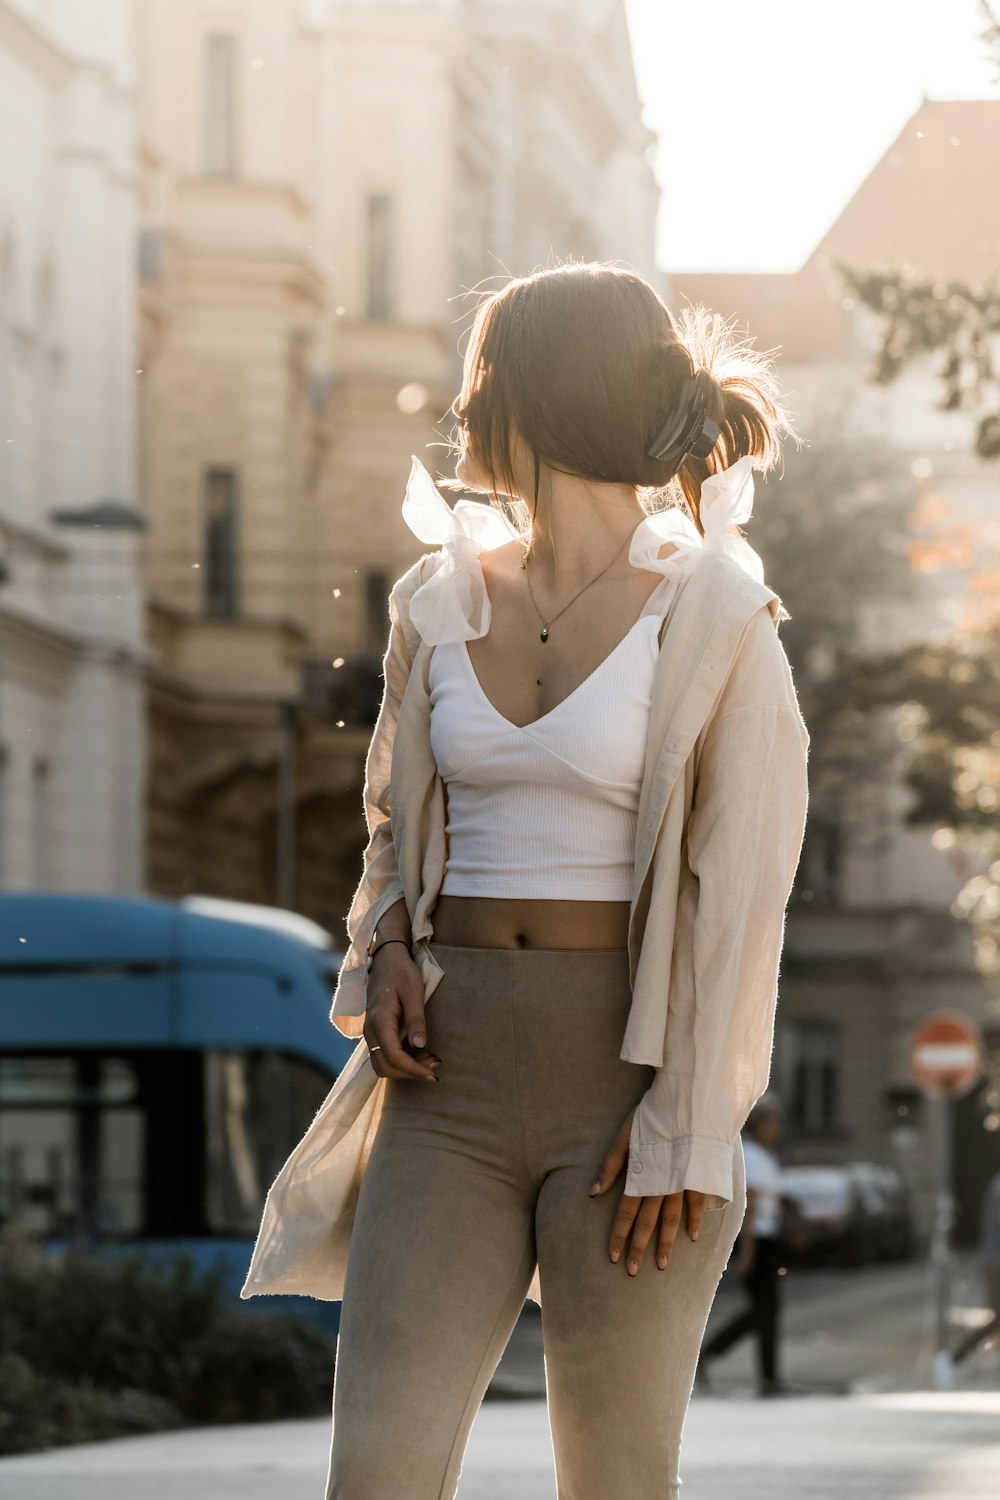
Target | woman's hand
(394,1017)
(641,1217)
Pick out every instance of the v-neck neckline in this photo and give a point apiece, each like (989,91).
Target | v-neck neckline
(646,614)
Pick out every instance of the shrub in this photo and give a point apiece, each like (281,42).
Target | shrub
(38,1412)
(123,1346)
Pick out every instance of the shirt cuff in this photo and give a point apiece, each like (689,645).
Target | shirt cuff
(350,1000)
(689,1163)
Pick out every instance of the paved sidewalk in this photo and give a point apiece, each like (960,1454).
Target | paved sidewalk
(843,1332)
(918,1445)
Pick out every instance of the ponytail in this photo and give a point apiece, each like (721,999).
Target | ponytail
(737,387)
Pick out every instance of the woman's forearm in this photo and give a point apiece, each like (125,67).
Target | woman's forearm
(394,923)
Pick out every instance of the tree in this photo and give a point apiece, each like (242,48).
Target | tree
(958,320)
(949,713)
(834,542)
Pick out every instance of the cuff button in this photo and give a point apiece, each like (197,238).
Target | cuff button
(637,1166)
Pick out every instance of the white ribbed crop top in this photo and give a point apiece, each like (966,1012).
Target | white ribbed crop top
(547,810)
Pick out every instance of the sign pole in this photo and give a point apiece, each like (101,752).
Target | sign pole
(946,1057)
(941,1249)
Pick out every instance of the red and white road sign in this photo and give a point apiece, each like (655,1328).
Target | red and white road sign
(946,1054)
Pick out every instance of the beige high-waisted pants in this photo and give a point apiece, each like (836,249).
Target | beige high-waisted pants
(473,1179)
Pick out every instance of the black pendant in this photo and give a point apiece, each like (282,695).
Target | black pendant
(545,633)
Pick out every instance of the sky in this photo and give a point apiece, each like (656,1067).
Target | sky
(771,113)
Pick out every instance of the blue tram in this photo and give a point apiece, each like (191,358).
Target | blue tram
(158,1062)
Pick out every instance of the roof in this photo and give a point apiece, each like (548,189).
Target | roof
(83,969)
(53,928)
(930,201)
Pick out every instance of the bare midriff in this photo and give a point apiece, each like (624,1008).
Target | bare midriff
(490,922)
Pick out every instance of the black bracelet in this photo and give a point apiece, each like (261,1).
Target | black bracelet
(384,943)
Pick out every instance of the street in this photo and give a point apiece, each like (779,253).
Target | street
(859,1332)
(908,1446)
(887,1436)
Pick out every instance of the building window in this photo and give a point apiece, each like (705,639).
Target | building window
(41,825)
(150,256)
(221,106)
(818,879)
(221,600)
(380,258)
(7,276)
(814,1067)
(376,622)
(45,297)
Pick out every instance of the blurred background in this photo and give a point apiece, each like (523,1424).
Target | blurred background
(239,247)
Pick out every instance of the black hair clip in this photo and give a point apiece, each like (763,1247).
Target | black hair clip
(686,431)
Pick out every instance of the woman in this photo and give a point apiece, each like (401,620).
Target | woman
(589,767)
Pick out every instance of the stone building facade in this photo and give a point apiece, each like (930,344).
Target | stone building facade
(72,633)
(322,185)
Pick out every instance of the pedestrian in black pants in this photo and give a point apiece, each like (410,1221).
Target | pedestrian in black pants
(989,1250)
(758,1254)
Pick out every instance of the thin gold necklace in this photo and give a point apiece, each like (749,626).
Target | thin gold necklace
(546,623)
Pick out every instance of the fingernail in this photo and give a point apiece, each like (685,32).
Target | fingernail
(694,1236)
(615,1254)
(595,1190)
(418,1039)
(662,1264)
(633,1266)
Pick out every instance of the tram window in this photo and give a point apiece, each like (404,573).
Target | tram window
(56,1080)
(258,1105)
(72,1139)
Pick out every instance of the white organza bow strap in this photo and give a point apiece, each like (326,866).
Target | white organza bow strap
(453,604)
(726,501)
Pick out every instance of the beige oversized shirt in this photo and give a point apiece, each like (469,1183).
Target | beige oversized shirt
(720,825)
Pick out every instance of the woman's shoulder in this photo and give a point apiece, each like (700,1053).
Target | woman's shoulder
(401,597)
(442,598)
(728,619)
(718,596)
(762,674)
(417,573)
(444,594)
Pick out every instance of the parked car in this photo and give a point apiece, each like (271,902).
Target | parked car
(835,1217)
(891,1206)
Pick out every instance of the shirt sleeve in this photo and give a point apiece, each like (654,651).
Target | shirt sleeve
(742,847)
(380,885)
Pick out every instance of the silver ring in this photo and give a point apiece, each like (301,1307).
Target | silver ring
(377,1048)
